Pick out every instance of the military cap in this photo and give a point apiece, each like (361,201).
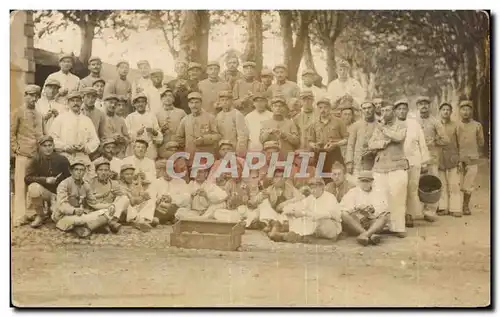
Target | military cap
(308,71)
(122,98)
(377,100)
(139,95)
(78,161)
(100,161)
(465,103)
(280,66)
(249,64)
(156,71)
(423,99)
(346,106)
(65,55)
(344,63)
(98,80)
(45,138)
(259,95)
(107,141)
(316,181)
(326,101)
(172,144)
(194,95)
(402,101)
(164,90)
(94,58)
(110,97)
(365,175)
(213,63)
(226,142)
(278,99)
(266,72)
(225,93)
(367,101)
(194,65)
(141,139)
(271,145)
(445,104)
(52,82)
(32,89)
(125,167)
(142,62)
(88,90)
(337,165)
(306,94)
(122,62)
(74,94)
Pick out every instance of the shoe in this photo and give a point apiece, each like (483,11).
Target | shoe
(363,239)
(375,239)
(155,222)
(442,212)
(142,226)
(268,227)
(114,226)
(400,234)
(429,218)
(456,214)
(466,209)
(37,222)
(291,237)
(82,232)
(409,221)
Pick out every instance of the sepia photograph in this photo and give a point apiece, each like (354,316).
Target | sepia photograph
(250,158)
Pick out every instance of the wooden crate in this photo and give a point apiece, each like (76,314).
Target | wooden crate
(206,234)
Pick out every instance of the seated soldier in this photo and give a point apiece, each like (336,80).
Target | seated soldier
(108,151)
(43,174)
(140,212)
(206,197)
(364,212)
(269,148)
(144,166)
(78,209)
(280,194)
(299,181)
(317,215)
(225,147)
(339,185)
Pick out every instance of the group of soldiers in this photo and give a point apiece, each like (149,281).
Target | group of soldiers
(92,155)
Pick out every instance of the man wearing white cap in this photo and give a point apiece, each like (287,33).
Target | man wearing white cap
(47,105)
(345,85)
(67,80)
(153,94)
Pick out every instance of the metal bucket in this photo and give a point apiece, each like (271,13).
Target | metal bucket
(429,189)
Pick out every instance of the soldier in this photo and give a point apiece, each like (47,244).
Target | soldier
(283,86)
(169,119)
(305,118)
(266,78)
(279,128)
(115,127)
(67,80)
(231,74)
(108,151)
(144,166)
(310,171)
(225,147)
(121,86)
(345,85)
(254,119)
(340,185)
(99,85)
(231,123)
(449,202)
(95,67)
(245,88)
(470,143)
(76,203)
(294,107)
(143,84)
(390,167)
(360,133)
(378,102)
(123,106)
(308,76)
(143,124)
(43,174)
(74,133)
(327,135)
(198,131)
(153,94)
(435,138)
(47,105)
(211,87)
(97,116)
(182,86)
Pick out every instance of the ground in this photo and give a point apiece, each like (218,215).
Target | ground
(443,264)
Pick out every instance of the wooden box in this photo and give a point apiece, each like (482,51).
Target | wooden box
(206,234)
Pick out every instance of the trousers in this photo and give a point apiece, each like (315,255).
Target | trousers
(468,178)
(451,197)
(19,208)
(394,186)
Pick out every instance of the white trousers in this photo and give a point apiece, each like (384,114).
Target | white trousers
(394,186)
(19,208)
(451,196)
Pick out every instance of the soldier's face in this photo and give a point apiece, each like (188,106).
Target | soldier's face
(224,149)
(78,171)
(225,102)
(89,99)
(95,67)
(267,80)
(144,69)
(365,184)
(295,105)
(47,148)
(140,149)
(109,149)
(445,112)
(279,108)
(278,179)
(123,70)
(110,105)
(31,99)
(128,176)
(347,115)
(280,74)
(423,107)
(201,176)
(181,69)
(195,105)
(194,73)
(260,104)
(140,104)
(308,80)
(99,86)
(232,64)
(378,108)
(51,91)
(213,71)
(466,112)
(307,103)
(368,110)
(121,108)
(249,71)
(343,72)
(317,190)
(75,104)
(167,98)
(157,79)
(324,109)
(387,113)
(66,64)
(338,176)
(103,172)
(401,112)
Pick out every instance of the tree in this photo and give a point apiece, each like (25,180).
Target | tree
(169,22)
(194,35)
(253,47)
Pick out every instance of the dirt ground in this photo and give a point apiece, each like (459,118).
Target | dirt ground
(439,264)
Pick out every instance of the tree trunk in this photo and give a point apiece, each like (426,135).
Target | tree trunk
(286,35)
(87,36)
(253,47)
(330,63)
(293,53)
(308,58)
(203,38)
(193,36)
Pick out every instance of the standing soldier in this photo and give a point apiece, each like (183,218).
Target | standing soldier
(197,131)
(345,85)
(245,88)
(266,78)
(390,167)
(144,83)
(47,105)
(360,133)
(378,102)
(283,86)
(169,119)
(308,76)
(280,129)
(211,87)
(327,135)
(254,120)
(25,130)
(231,123)
(98,85)
(231,74)
(95,66)
(305,118)
(143,124)
(450,199)
(123,106)
(470,143)
(115,127)
(435,138)
(97,116)
(121,86)
(68,81)
(183,87)
(153,94)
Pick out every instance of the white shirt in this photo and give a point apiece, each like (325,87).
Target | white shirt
(145,165)
(337,89)
(43,106)
(68,81)
(356,197)
(135,121)
(114,165)
(72,129)
(415,148)
(176,188)
(253,121)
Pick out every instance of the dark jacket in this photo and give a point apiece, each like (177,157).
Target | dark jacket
(181,92)
(39,168)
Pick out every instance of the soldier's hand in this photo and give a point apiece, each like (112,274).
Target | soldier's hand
(48,115)
(111,210)
(50,180)
(424,169)
(140,131)
(349,167)
(79,211)
(54,112)
(149,130)
(146,196)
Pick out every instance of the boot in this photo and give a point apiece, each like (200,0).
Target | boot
(456,214)
(142,226)
(82,232)
(466,209)
(37,222)
(269,226)
(93,225)
(114,225)
(155,222)
(442,212)
(409,221)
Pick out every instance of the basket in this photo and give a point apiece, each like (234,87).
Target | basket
(429,189)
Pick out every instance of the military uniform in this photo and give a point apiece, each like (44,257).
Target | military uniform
(231,126)
(244,89)
(304,120)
